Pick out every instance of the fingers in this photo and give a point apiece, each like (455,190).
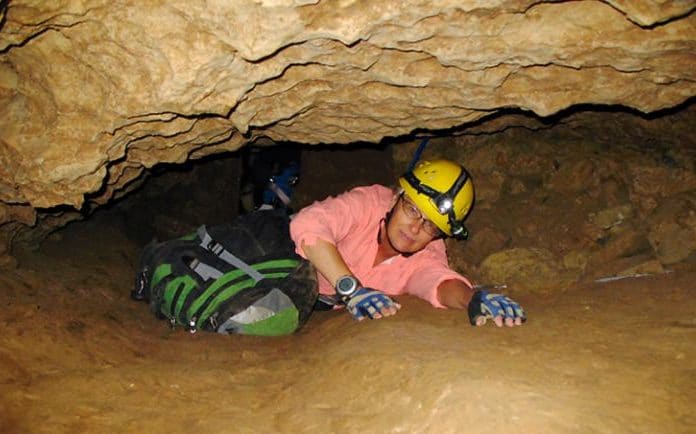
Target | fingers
(390,310)
(373,305)
(501,309)
(499,321)
(387,310)
(511,313)
(357,313)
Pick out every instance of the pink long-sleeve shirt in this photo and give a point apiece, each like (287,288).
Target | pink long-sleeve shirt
(351,222)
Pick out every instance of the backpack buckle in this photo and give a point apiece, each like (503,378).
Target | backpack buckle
(191,327)
(215,247)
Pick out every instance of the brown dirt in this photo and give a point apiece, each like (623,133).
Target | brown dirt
(77,355)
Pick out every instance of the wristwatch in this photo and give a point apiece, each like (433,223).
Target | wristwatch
(346,286)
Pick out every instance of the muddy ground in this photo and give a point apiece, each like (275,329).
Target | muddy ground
(78,355)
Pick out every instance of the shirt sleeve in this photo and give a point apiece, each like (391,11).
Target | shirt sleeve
(332,219)
(431,271)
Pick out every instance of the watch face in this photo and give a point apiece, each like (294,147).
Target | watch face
(346,285)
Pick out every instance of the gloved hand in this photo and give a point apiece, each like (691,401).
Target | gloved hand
(499,307)
(368,302)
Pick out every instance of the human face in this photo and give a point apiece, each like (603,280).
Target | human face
(408,230)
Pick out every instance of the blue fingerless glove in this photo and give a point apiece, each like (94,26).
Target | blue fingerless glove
(493,305)
(368,302)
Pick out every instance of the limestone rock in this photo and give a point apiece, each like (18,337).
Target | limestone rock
(483,241)
(673,229)
(573,177)
(611,217)
(90,89)
(93,93)
(651,183)
(648,13)
(629,240)
(576,260)
(649,267)
(488,189)
(531,270)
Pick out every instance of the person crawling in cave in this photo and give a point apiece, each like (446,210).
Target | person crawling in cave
(371,243)
(265,272)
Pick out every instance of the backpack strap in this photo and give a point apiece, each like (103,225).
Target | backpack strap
(206,271)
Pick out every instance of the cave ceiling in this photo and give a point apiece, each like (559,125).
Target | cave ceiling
(94,92)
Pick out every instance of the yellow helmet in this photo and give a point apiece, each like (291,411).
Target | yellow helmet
(443,191)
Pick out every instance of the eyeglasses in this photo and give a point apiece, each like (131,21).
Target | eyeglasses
(413,213)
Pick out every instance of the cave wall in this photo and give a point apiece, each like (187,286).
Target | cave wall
(95,93)
(592,194)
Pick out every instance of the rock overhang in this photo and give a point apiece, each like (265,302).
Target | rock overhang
(93,94)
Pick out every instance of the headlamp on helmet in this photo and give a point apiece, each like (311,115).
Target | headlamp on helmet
(444,192)
(443,204)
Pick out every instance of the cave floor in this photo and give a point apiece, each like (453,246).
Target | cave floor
(77,355)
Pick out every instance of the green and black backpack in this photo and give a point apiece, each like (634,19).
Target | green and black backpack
(239,277)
